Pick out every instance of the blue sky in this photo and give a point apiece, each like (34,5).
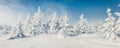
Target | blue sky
(94,10)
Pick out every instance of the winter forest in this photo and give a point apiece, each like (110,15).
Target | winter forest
(32,26)
(57,32)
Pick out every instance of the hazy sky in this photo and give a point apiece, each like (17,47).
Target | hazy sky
(94,10)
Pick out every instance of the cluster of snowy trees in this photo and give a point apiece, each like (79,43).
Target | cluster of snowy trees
(110,26)
(4,29)
(35,25)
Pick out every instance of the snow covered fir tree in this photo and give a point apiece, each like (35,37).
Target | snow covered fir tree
(82,26)
(36,23)
(18,30)
(109,26)
(53,24)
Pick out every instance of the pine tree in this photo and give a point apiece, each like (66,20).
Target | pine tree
(18,30)
(117,24)
(37,25)
(52,23)
(81,26)
(63,26)
(27,25)
(109,26)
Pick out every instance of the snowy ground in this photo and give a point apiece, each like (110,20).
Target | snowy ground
(52,41)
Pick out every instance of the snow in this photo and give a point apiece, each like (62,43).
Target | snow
(52,41)
(58,33)
(117,14)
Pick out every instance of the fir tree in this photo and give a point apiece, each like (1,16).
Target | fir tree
(109,26)
(37,25)
(53,24)
(18,30)
(27,25)
(63,26)
(81,26)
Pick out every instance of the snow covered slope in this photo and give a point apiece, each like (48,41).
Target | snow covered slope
(52,41)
